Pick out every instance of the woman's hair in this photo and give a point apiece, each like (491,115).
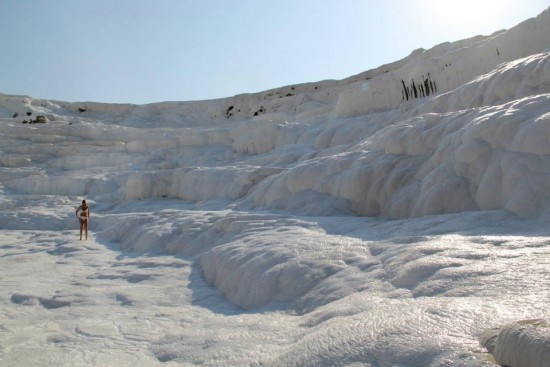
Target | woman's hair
(83,201)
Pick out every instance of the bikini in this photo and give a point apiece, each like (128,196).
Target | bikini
(82,213)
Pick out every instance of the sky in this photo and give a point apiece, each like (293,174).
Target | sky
(145,51)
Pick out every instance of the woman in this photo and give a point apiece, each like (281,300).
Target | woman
(83,215)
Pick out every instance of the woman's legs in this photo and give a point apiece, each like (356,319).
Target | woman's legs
(81,226)
(86,225)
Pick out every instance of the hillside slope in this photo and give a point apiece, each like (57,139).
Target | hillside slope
(470,133)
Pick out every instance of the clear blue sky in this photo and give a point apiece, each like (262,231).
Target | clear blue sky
(142,51)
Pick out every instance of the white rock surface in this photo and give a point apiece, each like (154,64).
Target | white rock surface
(325,224)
